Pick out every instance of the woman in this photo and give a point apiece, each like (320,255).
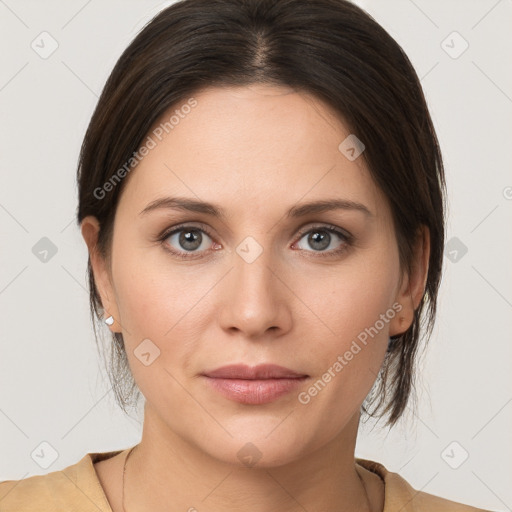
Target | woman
(262,195)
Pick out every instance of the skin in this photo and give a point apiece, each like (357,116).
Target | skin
(256,152)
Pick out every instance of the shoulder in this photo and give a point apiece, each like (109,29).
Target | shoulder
(400,495)
(76,487)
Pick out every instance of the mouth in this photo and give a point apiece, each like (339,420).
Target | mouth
(260,372)
(254,385)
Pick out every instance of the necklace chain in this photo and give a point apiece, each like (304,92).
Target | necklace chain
(131,450)
(124,471)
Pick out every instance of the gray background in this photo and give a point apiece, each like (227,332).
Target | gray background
(53,388)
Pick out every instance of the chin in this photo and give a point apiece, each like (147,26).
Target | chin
(261,443)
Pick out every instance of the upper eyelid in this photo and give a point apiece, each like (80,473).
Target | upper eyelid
(182,227)
(329,227)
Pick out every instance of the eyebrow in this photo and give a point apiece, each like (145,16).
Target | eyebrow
(301,210)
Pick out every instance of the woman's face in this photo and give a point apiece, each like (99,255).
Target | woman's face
(264,283)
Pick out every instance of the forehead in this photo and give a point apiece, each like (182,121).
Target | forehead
(249,146)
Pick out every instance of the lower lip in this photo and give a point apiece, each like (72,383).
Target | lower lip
(254,392)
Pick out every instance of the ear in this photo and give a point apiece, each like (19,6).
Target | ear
(412,285)
(90,229)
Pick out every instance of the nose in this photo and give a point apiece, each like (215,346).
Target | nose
(256,299)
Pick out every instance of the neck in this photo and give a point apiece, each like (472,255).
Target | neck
(166,469)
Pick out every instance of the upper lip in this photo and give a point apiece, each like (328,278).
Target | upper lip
(261,371)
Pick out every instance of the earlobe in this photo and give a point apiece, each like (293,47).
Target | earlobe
(413,286)
(90,229)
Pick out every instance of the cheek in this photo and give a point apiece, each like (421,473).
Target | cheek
(154,292)
(355,307)
(351,298)
(166,305)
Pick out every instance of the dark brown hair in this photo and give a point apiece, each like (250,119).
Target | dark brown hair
(331,49)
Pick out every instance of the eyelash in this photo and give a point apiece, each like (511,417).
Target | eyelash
(346,238)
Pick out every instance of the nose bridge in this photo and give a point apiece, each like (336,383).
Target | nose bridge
(253,270)
(255,301)
(253,265)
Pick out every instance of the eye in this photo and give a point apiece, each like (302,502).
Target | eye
(321,238)
(186,241)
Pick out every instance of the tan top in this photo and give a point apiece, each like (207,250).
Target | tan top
(78,488)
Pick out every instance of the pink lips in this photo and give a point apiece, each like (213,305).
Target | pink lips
(254,385)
